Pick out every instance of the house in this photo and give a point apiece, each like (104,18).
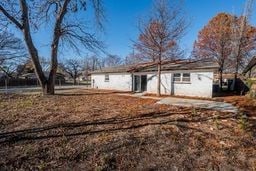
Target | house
(250,74)
(181,77)
(2,75)
(33,75)
(250,69)
(228,81)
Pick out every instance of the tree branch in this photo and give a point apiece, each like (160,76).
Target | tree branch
(11,18)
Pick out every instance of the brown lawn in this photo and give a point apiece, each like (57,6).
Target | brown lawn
(100,130)
(247,105)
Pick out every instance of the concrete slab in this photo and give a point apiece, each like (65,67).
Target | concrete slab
(205,104)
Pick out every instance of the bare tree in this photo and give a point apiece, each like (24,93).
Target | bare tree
(45,63)
(67,30)
(112,60)
(244,43)
(160,34)
(12,53)
(93,62)
(134,58)
(73,67)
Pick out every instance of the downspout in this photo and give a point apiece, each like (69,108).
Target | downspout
(132,82)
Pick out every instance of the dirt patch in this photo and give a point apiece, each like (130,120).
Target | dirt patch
(99,130)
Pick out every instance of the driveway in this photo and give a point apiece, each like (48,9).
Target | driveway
(205,104)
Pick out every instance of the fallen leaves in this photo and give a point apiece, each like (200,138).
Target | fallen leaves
(89,129)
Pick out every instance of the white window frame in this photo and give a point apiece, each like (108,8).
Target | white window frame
(181,77)
(174,78)
(189,77)
(106,78)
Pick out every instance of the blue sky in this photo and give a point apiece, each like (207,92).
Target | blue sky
(122,18)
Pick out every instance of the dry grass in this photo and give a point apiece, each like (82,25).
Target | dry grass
(247,105)
(90,130)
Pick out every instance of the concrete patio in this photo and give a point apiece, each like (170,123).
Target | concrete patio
(205,104)
(184,102)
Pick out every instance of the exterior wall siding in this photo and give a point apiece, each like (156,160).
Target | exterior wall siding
(117,81)
(201,83)
(252,72)
(166,87)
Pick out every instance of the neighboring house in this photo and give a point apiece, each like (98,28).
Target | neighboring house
(182,77)
(2,75)
(29,76)
(228,81)
(250,69)
(250,74)
(59,76)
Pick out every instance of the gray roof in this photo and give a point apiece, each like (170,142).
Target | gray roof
(2,74)
(166,66)
(251,64)
(117,69)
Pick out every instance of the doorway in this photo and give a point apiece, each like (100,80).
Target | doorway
(140,83)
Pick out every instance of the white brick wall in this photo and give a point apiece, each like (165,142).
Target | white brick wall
(165,83)
(118,81)
(200,85)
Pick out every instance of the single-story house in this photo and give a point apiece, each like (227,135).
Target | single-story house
(59,76)
(181,77)
(250,69)
(2,75)
(228,81)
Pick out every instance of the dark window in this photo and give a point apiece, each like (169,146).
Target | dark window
(106,78)
(186,77)
(177,77)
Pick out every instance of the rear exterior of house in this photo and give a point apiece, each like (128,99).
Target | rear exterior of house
(181,78)
(250,69)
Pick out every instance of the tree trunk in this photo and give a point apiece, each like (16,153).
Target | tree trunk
(235,76)
(54,48)
(31,47)
(48,88)
(221,79)
(74,80)
(159,79)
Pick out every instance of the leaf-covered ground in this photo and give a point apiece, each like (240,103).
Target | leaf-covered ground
(100,130)
(247,105)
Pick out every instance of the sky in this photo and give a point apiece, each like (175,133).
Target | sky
(120,27)
(123,17)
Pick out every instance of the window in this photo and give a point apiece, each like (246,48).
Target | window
(186,77)
(181,77)
(106,78)
(177,77)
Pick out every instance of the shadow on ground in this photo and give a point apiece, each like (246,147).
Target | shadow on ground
(117,124)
